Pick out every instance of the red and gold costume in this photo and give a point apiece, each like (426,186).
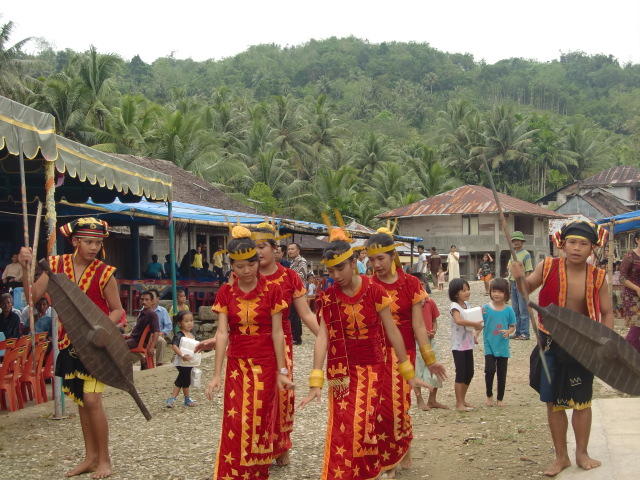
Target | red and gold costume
(355,366)
(571,383)
(246,447)
(395,431)
(75,377)
(292,288)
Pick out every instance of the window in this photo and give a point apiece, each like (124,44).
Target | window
(470,225)
(524,224)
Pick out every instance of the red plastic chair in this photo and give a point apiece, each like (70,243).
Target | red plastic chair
(142,349)
(9,375)
(31,382)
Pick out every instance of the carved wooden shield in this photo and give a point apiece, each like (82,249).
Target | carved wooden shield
(95,338)
(598,348)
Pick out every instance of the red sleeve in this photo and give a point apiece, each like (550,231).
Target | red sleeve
(276,299)
(416,292)
(222,299)
(298,289)
(380,297)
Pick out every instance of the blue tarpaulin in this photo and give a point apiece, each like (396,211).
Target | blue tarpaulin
(624,222)
(153,212)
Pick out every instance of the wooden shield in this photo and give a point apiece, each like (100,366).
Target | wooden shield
(95,338)
(598,348)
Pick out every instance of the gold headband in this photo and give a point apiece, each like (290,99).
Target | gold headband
(332,262)
(378,249)
(243,254)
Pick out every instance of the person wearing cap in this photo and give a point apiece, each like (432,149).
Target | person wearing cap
(572,283)
(96,279)
(517,300)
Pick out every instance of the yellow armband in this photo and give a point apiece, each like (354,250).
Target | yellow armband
(316,378)
(428,355)
(406,370)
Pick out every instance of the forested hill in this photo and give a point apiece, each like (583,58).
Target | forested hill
(345,123)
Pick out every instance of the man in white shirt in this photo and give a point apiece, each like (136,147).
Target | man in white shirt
(12,274)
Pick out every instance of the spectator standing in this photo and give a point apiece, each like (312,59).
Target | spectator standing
(435,264)
(217,262)
(485,272)
(154,268)
(164,324)
(196,263)
(517,300)
(12,274)
(362,261)
(453,263)
(630,278)
(298,265)
(167,267)
(9,320)
(422,263)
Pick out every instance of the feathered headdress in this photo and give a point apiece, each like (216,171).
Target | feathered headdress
(338,233)
(242,232)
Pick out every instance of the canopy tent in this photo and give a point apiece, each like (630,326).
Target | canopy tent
(149,213)
(624,222)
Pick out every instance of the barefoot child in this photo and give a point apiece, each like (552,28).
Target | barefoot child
(571,283)
(430,314)
(499,322)
(96,279)
(462,340)
(184,320)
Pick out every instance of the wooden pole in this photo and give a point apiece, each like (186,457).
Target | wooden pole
(172,258)
(611,256)
(522,286)
(31,273)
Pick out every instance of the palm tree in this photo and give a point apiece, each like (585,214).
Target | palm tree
(504,138)
(431,177)
(11,64)
(388,185)
(63,97)
(96,72)
(589,145)
(373,151)
(334,189)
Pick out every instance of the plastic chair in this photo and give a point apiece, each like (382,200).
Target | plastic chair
(142,349)
(31,381)
(9,374)
(48,373)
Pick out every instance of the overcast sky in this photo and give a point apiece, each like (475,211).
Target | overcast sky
(489,29)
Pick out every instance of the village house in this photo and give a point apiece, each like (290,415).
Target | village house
(610,192)
(468,218)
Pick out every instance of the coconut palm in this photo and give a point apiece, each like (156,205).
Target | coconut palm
(12,61)
(95,72)
(63,97)
(431,177)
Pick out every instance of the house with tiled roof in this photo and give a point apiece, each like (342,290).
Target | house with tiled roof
(468,218)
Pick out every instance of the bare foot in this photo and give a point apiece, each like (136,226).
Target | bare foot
(102,471)
(467,404)
(283,460)
(437,405)
(463,408)
(390,474)
(405,463)
(421,405)
(500,403)
(558,465)
(89,465)
(585,462)
(489,402)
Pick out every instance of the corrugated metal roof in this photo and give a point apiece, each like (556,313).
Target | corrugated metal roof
(468,199)
(620,175)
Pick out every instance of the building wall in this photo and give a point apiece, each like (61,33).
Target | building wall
(442,231)
(577,205)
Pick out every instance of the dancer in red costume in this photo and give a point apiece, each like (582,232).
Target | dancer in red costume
(96,279)
(354,316)
(407,294)
(250,324)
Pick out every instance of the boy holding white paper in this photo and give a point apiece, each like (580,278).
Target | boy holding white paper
(184,345)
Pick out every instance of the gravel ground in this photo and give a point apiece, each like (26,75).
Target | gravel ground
(180,443)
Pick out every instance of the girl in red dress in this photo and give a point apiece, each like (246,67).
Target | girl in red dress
(354,316)
(407,294)
(250,324)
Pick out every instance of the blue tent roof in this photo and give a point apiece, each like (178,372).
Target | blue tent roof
(151,212)
(623,222)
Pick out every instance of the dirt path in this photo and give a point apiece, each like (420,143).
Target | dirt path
(497,443)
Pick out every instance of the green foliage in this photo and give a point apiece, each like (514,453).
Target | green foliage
(342,123)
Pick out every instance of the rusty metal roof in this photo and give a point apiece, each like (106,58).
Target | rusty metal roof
(620,175)
(468,199)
